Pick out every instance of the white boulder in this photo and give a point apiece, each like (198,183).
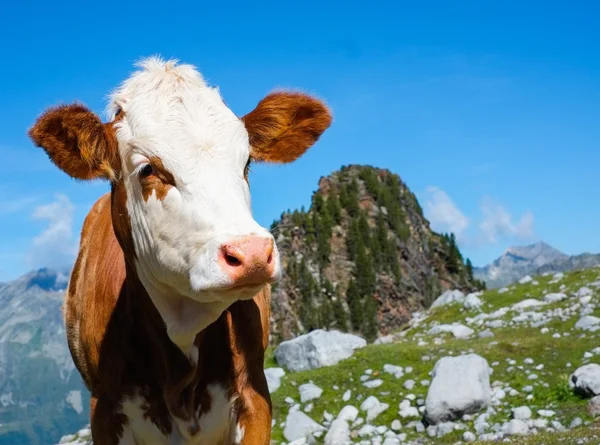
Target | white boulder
(450,296)
(457,329)
(554,297)
(461,385)
(472,301)
(526,279)
(338,434)
(299,425)
(348,413)
(516,427)
(522,413)
(586,380)
(317,349)
(373,407)
(309,391)
(588,323)
(274,376)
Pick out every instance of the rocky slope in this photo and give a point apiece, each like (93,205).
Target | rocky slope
(41,394)
(534,259)
(362,258)
(518,365)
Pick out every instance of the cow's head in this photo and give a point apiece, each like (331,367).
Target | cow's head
(178,161)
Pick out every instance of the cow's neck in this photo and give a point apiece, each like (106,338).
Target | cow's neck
(183,317)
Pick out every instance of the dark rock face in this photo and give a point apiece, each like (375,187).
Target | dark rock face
(364,227)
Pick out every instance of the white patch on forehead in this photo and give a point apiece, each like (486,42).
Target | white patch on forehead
(172,113)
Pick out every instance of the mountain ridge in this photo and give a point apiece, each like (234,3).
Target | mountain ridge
(532,259)
(41,394)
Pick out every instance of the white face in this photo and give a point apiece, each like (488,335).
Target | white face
(183,156)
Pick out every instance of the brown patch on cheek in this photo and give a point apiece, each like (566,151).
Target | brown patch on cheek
(160,181)
(247,170)
(121,221)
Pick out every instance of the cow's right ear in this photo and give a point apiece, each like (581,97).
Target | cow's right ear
(77,141)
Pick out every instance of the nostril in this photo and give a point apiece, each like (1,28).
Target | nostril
(270,250)
(232,261)
(232,256)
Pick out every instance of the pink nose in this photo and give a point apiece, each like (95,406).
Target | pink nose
(248,261)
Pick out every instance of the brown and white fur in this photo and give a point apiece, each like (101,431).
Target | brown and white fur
(167,309)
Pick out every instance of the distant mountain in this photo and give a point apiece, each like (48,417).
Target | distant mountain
(534,259)
(42,397)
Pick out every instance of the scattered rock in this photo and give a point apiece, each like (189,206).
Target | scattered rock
(347,395)
(515,427)
(406,410)
(450,296)
(373,383)
(522,413)
(584,292)
(588,323)
(338,434)
(299,425)
(373,407)
(526,304)
(396,371)
(485,334)
(384,340)
(554,297)
(457,329)
(472,301)
(593,407)
(468,436)
(576,422)
(274,376)
(309,391)
(525,279)
(348,413)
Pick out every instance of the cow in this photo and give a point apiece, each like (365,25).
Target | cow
(167,307)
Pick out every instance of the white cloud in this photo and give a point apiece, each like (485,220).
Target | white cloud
(495,224)
(55,246)
(444,215)
(498,223)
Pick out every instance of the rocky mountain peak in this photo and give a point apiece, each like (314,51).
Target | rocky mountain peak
(539,253)
(47,279)
(361,258)
(533,259)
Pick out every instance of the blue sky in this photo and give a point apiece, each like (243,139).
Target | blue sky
(487,110)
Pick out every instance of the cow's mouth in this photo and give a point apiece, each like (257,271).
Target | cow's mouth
(246,288)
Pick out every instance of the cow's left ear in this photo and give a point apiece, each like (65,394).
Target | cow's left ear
(284,125)
(77,141)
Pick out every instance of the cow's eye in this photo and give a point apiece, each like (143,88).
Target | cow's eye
(247,168)
(146,171)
